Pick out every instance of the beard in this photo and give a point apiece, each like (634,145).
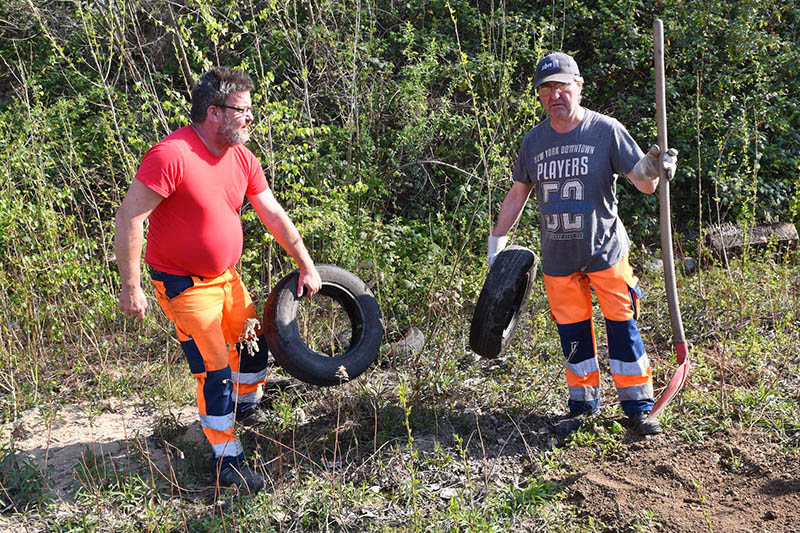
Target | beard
(231,134)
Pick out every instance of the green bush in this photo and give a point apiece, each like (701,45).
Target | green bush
(387,131)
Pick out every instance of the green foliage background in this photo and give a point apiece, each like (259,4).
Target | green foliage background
(386,128)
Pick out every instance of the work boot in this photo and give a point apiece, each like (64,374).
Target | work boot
(644,426)
(242,477)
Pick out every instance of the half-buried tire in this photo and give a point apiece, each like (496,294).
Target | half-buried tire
(410,342)
(318,354)
(501,301)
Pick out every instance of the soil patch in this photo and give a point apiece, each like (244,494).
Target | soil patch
(112,429)
(737,482)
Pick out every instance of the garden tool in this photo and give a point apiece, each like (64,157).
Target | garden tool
(678,337)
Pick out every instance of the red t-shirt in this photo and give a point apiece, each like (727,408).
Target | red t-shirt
(196,229)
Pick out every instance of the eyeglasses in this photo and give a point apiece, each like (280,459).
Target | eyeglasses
(547,90)
(242,110)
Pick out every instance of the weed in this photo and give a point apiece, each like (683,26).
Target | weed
(169,427)
(605,433)
(733,462)
(538,492)
(21,482)
(698,485)
(646,521)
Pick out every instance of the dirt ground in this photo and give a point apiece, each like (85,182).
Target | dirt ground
(121,431)
(733,483)
(737,483)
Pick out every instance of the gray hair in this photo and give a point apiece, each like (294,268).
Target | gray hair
(213,88)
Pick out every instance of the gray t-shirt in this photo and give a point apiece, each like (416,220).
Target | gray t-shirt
(575,177)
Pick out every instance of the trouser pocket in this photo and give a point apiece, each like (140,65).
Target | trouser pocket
(173,284)
(635,293)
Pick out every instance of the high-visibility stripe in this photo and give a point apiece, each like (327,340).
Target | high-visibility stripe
(592,379)
(228,449)
(637,368)
(253,397)
(584,368)
(218,437)
(632,381)
(249,377)
(638,392)
(218,423)
(584,394)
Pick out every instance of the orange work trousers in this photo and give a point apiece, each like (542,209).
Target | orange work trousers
(209,316)
(618,292)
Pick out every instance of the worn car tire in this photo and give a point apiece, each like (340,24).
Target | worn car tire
(501,301)
(292,352)
(410,343)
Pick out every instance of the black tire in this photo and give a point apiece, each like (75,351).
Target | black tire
(501,301)
(361,347)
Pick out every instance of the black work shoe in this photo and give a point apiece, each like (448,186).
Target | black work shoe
(644,426)
(254,417)
(242,477)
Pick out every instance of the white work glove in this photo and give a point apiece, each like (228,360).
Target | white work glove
(496,245)
(646,169)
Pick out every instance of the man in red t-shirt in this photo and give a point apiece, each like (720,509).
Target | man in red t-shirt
(191,186)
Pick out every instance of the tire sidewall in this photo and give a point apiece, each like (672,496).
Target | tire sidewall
(290,350)
(502,300)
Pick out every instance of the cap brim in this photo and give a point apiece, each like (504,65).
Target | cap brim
(564,77)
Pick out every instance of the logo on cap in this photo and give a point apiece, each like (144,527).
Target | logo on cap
(553,63)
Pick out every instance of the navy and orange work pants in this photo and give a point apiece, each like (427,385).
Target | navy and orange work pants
(618,292)
(209,316)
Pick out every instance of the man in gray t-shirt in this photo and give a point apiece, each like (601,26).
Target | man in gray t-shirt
(572,160)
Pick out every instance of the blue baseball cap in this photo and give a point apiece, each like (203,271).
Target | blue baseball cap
(556,66)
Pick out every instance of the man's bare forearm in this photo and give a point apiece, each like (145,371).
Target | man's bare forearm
(128,242)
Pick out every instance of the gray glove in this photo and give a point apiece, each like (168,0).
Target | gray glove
(670,163)
(646,169)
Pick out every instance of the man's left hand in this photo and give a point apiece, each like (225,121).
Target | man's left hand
(308,281)
(647,167)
